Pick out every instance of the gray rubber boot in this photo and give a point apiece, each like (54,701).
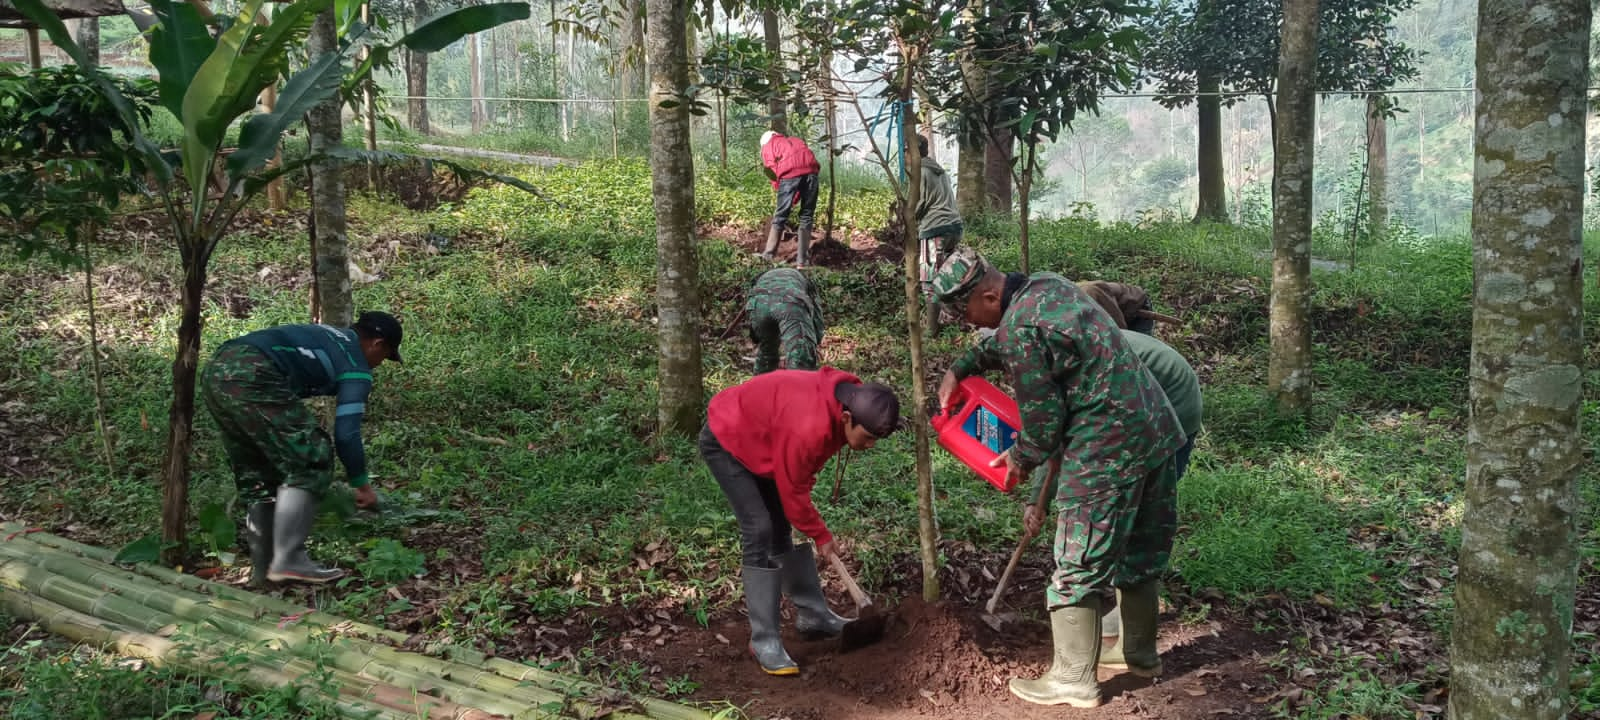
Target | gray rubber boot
(1136,649)
(1075,630)
(296,513)
(774,233)
(761,595)
(802,255)
(804,588)
(258,536)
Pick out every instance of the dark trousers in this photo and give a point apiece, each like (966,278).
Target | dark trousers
(1182,458)
(800,191)
(764,531)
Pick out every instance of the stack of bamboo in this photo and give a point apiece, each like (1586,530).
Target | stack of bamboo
(166,617)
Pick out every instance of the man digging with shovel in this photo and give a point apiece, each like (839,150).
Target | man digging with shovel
(1084,395)
(282,459)
(764,442)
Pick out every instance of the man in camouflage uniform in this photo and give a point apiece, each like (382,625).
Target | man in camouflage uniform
(785,320)
(1085,397)
(282,459)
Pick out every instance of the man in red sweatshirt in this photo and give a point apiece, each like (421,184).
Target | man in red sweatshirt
(764,441)
(793,170)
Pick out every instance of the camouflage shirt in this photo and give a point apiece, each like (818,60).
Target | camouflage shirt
(784,302)
(1080,388)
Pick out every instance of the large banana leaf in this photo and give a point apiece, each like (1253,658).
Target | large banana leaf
(205,108)
(46,19)
(258,140)
(265,58)
(442,30)
(179,44)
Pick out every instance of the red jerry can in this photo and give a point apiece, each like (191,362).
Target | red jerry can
(977,426)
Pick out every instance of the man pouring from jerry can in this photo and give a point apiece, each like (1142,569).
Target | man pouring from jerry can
(1083,396)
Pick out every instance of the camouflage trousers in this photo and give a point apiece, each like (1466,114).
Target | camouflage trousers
(270,436)
(1113,537)
(783,329)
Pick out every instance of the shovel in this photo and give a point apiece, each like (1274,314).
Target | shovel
(868,625)
(1016,555)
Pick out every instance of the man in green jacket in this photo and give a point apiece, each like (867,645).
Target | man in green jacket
(282,459)
(938,223)
(1083,395)
(785,320)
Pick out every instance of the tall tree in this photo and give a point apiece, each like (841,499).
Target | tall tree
(331,247)
(87,36)
(680,385)
(770,31)
(1379,107)
(1047,61)
(631,50)
(1223,51)
(417,78)
(1511,645)
(475,82)
(972,195)
(1289,368)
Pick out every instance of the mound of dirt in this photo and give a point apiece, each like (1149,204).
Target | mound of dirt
(848,247)
(942,660)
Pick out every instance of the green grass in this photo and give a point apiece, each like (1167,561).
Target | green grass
(525,408)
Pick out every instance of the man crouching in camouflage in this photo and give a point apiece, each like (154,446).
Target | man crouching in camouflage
(785,320)
(281,457)
(1083,396)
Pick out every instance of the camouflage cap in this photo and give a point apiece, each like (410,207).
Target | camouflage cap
(958,275)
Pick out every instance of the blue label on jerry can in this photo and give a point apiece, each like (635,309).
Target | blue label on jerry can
(989,429)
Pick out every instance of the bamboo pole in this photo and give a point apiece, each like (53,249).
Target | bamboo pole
(141,601)
(160,651)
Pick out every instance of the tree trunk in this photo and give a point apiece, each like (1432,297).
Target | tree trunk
(775,104)
(1024,190)
(1378,164)
(681,387)
(369,106)
(417,79)
(972,198)
(87,36)
(632,51)
(1213,185)
(34,53)
(997,170)
(277,195)
(475,81)
(88,233)
(1511,647)
(180,416)
(1289,369)
(332,259)
(927,525)
(831,120)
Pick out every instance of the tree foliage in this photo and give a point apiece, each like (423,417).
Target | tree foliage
(1237,43)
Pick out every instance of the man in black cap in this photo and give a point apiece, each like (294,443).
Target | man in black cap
(764,441)
(281,457)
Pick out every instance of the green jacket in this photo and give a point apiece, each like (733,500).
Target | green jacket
(1177,378)
(936,210)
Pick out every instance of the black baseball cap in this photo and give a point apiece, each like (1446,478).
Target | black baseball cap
(382,325)
(874,406)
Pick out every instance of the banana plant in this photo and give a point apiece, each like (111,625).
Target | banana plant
(209,81)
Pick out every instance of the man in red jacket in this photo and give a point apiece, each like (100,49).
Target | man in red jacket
(764,441)
(793,170)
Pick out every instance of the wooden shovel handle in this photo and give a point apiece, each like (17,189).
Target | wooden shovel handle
(1022,544)
(849,582)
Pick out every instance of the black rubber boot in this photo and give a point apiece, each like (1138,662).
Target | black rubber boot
(296,513)
(761,595)
(258,537)
(802,253)
(1136,649)
(1075,630)
(774,234)
(804,588)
